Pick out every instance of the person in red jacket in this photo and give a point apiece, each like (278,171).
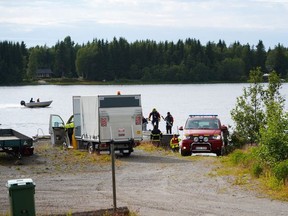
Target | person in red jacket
(174,143)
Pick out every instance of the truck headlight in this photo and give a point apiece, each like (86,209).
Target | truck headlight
(196,139)
(205,139)
(217,137)
(187,137)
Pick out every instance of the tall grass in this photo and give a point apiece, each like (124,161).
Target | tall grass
(250,171)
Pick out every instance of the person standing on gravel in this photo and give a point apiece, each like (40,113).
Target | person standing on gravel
(156,136)
(174,143)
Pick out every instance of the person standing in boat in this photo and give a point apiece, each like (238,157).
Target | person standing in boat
(38,100)
(31,100)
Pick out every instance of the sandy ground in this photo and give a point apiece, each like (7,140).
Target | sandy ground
(147,183)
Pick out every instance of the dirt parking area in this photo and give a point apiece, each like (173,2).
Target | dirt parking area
(148,183)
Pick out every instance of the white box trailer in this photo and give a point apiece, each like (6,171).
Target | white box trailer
(100,120)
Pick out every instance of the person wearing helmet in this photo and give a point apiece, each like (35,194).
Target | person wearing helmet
(155,117)
(156,136)
(174,143)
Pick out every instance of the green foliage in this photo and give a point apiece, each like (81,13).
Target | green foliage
(247,159)
(12,62)
(238,139)
(165,62)
(248,113)
(238,157)
(260,118)
(277,59)
(274,141)
(64,55)
(271,179)
(280,171)
(232,69)
(257,169)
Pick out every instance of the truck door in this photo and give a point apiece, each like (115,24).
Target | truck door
(56,129)
(77,116)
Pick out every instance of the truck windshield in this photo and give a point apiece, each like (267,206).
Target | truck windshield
(202,124)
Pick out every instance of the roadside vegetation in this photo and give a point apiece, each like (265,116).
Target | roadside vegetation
(260,137)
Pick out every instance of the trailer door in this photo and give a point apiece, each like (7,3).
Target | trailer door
(120,118)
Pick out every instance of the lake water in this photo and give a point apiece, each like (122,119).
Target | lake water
(180,100)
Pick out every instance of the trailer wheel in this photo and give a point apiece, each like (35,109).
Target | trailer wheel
(90,147)
(19,155)
(126,154)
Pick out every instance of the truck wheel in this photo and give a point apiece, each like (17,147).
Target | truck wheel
(19,155)
(223,151)
(126,154)
(90,147)
(185,153)
(218,153)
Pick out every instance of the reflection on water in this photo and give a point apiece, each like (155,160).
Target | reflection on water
(179,100)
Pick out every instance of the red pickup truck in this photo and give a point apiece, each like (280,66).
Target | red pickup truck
(203,134)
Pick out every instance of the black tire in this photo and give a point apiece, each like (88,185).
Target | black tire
(126,154)
(219,152)
(185,153)
(18,154)
(223,151)
(90,147)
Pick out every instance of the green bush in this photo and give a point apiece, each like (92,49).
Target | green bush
(280,170)
(257,170)
(238,141)
(238,156)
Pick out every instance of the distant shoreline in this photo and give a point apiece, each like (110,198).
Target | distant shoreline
(75,81)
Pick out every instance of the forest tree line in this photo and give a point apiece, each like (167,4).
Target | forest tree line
(153,62)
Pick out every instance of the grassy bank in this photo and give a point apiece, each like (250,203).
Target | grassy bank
(246,171)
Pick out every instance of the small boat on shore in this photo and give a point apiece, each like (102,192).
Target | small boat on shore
(36,104)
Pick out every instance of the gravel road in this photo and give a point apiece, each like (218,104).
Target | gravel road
(147,183)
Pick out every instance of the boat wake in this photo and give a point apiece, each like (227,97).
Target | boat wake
(5,106)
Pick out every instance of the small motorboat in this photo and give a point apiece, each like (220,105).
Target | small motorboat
(36,104)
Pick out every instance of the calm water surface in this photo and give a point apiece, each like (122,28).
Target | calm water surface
(181,100)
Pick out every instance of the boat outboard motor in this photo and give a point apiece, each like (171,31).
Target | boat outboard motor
(22,103)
